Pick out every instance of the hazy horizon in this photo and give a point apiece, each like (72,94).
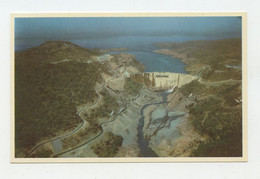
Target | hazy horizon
(64,27)
(113,32)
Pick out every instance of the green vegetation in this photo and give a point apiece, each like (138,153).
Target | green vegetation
(108,146)
(136,64)
(218,116)
(128,60)
(211,57)
(55,51)
(193,87)
(43,153)
(223,126)
(132,87)
(82,135)
(109,104)
(46,95)
(230,93)
(217,111)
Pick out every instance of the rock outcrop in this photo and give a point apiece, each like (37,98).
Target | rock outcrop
(162,130)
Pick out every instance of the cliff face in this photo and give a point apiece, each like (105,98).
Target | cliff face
(163,80)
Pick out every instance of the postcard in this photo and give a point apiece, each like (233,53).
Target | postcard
(128,87)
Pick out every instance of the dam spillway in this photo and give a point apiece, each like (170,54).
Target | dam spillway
(163,80)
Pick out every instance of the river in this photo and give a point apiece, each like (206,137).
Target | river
(142,48)
(143,143)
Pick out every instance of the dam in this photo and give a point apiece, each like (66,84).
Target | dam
(163,80)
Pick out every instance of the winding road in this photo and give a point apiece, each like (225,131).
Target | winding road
(102,131)
(84,122)
(217,83)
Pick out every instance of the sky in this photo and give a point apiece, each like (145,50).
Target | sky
(88,27)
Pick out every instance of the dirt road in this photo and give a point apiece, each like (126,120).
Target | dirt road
(84,122)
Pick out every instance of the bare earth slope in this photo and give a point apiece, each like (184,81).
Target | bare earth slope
(213,103)
(62,95)
(77,102)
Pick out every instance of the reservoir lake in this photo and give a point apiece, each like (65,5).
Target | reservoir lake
(140,46)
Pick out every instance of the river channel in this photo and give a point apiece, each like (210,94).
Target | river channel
(143,143)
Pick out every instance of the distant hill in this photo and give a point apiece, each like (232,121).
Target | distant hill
(47,93)
(52,51)
(213,60)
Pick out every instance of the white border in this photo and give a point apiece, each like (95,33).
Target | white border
(137,160)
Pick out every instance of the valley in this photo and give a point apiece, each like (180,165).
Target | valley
(78,102)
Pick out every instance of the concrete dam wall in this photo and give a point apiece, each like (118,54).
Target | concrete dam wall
(163,80)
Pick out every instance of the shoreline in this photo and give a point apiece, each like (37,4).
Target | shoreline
(181,56)
(162,60)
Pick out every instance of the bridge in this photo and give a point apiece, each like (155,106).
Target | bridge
(163,80)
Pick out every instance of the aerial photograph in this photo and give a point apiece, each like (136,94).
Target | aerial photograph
(95,87)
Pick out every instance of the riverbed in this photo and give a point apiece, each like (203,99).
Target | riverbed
(143,142)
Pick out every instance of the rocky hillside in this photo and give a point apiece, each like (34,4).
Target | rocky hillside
(215,111)
(213,60)
(51,80)
(56,80)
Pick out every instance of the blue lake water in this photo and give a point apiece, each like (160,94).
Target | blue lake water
(155,62)
(140,46)
(136,43)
